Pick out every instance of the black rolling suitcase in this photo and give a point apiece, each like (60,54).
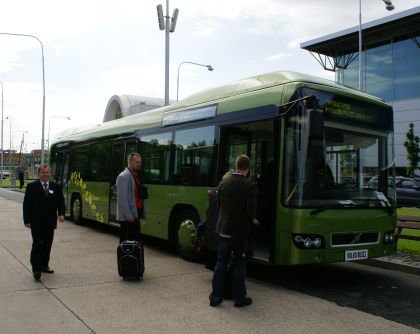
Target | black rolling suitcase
(130,256)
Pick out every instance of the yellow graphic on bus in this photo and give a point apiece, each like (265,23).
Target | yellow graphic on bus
(87,196)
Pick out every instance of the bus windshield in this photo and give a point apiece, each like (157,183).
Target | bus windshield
(335,171)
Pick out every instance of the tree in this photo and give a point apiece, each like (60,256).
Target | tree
(411,144)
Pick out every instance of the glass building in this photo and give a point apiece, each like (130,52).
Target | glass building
(390,67)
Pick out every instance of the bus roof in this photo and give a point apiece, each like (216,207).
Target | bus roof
(213,96)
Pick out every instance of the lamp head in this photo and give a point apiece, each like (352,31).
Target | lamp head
(160,17)
(210,68)
(389,5)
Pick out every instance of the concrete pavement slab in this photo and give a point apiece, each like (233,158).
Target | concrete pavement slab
(13,274)
(37,311)
(179,304)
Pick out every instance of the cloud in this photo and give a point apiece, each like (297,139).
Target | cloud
(208,28)
(136,80)
(278,56)
(297,20)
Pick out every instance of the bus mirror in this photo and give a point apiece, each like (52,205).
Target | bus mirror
(316,124)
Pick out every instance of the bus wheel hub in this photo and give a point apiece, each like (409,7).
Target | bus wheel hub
(187,236)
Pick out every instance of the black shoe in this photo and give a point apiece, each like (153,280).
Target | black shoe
(37,275)
(215,301)
(48,270)
(244,302)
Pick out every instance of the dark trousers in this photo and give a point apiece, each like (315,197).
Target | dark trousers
(42,239)
(129,231)
(239,272)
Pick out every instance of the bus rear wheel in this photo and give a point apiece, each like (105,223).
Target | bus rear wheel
(76,210)
(186,235)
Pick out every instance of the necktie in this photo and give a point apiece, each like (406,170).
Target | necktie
(46,189)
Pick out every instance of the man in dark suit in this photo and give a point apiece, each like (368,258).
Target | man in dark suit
(237,202)
(43,204)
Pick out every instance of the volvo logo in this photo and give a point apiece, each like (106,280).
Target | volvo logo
(357,237)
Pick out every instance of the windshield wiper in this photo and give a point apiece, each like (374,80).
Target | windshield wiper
(387,207)
(339,205)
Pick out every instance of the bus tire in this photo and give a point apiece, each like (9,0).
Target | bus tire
(186,234)
(77,209)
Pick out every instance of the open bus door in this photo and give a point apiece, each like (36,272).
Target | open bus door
(120,152)
(60,171)
(258,141)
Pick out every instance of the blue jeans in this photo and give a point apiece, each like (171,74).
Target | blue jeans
(239,273)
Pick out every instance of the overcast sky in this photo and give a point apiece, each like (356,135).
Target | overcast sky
(95,49)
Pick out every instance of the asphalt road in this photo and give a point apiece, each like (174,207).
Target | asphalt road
(390,294)
(85,295)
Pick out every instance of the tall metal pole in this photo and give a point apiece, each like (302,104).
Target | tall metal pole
(167,54)
(168,24)
(2,161)
(43,89)
(21,145)
(10,145)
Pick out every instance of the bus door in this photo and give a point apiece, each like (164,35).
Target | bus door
(120,152)
(257,140)
(61,173)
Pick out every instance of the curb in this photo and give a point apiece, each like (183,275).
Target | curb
(391,265)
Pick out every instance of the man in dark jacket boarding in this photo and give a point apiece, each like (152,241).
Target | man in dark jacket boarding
(43,204)
(237,202)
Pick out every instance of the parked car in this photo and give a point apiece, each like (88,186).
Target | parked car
(407,189)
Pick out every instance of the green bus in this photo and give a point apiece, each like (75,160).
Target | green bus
(314,146)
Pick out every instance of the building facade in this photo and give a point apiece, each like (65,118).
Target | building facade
(390,63)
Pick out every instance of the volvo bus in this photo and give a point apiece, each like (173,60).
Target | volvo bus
(313,143)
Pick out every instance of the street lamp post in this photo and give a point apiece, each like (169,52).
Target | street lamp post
(49,128)
(389,6)
(43,87)
(168,24)
(209,67)
(2,161)
(21,145)
(10,146)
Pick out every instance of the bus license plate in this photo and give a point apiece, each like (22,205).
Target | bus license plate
(354,255)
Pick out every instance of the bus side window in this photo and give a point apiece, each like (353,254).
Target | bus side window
(155,152)
(79,159)
(130,147)
(100,155)
(118,161)
(194,156)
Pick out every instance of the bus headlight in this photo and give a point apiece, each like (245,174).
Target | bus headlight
(389,237)
(308,241)
(317,242)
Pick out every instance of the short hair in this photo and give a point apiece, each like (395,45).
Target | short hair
(242,162)
(132,155)
(42,167)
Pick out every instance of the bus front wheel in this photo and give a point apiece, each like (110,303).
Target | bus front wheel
(186,235)
(76,210)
